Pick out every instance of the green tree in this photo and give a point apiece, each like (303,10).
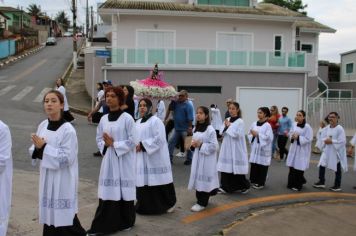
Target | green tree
(294,5)
(34,10)
(62,18)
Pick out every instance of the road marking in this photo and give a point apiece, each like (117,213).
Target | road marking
(23,93)
(284,197)
(40,96)
(6,89)
(29,70)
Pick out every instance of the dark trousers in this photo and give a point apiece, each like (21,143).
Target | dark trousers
(169,127)
(282,142)
(258,174)
(203,197)
(230,182)
(338,175)
(296,178)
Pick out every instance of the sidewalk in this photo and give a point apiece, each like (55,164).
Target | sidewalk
(308,219)
(78,98)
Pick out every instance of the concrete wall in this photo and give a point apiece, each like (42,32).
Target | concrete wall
(42,37)
(345,59)
(311,58)
(344,85)
(323,72)
(186,31)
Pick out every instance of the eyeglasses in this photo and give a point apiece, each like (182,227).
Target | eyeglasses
(332,117)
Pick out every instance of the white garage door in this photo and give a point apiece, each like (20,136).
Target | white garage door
(250,99)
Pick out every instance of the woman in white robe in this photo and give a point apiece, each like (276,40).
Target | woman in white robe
(298,158)
(216,120)
(5,177)
(233,160)
(203,173)
(351,150)
(66,113)
(154,181)
(333,153)
(117,179)
(55,145)
(260,137)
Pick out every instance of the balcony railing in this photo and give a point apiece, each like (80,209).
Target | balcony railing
(203,58)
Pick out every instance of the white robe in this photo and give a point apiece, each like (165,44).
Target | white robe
(233,156)
(153,167)
(261,147)
(203,174)
(5,177)
(299,155)
(336,152)
(161,110)
(58,200)
(216,120)
(319,141)
(353,143)
(117,179)
(62,90)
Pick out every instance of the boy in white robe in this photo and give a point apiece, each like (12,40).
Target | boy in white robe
(161,110)
(5,177)
(216,120)
(333,153)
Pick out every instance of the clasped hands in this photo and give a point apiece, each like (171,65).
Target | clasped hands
(37,141)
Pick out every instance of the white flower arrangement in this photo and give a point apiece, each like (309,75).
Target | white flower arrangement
(153,91)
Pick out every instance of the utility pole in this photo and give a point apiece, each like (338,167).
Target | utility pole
(92,24)
(87,21)
(74,10)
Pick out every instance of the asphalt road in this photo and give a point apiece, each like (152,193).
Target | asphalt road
(22,85)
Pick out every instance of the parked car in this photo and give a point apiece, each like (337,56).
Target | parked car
(68,34)
(51,41)
(79,34)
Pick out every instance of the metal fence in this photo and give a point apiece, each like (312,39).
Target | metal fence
(319,108)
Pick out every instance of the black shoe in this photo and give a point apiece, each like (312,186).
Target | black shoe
(97,154)
(354,187)
(319,184)
(187,162)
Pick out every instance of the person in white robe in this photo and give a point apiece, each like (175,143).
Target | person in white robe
(5,177)
(55,145)
(319,142)
(233,158)
(154,180)
(66,113)
(216,120)
(260,137)
(333,153)
(161,110)
(203,173)
(351,150)
(301,136)
(117,179)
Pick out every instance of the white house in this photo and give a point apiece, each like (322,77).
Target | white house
(259,54)
(347,66)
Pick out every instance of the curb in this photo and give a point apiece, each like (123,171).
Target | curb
(78,111)
(18,57)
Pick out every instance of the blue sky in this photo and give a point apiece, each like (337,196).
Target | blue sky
(339,15)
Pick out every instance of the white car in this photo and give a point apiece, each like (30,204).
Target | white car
(51,41)
(68,34)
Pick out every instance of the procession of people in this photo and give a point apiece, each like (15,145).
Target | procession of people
(136,167)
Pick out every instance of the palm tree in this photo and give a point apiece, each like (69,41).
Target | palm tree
(34,10)
(62,18)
